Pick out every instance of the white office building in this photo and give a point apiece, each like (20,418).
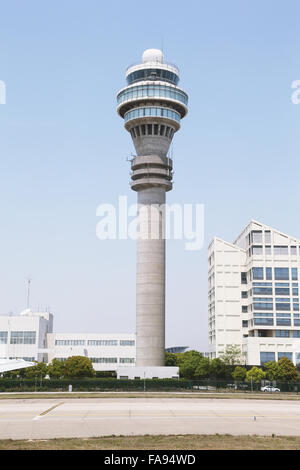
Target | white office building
(24,336)
(253,295)
(106,351)
(29,336)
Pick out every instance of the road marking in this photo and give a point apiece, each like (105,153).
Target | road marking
(47,411)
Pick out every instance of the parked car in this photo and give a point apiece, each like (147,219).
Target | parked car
(270,388)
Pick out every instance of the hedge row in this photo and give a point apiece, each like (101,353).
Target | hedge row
(111,384)
(104,384)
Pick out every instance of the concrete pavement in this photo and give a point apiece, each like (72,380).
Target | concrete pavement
(54,418)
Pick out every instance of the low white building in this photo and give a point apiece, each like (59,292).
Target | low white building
(29,336)
(253,295)
(24,336)
(106,351)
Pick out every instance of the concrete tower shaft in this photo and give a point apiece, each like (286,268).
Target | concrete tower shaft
(152,106)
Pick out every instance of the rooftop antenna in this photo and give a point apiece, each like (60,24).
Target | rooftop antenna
(28,292)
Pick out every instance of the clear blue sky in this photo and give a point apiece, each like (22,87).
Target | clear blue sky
(63,148)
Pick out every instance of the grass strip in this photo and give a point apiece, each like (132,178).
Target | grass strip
(160,442)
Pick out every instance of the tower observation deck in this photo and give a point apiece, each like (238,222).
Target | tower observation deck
(152,106)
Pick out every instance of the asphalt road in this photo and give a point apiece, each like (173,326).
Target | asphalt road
(54,418)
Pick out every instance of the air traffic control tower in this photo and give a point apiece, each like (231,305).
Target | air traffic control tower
(152,106)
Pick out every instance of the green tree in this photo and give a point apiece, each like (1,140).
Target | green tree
(188,363)
(255,375)
(14,374)
(55,369)
(272,370)
(203,368)
(218,369)
(78,366)
(288,372)
(239,373)
(232,356)
(170,359)
(39,370)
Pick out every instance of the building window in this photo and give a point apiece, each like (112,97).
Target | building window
(268,273)
(69,342)
(266,357)
(282,334)
(104,360)
(127,360)
(257,250)
(244,278)
(281,274)
(283,322)
(244,294)
(285,354)
(262,291)
(267,236)
(245,323)
(297,359)
(22,337)
(263,299)
(258,273)
(296,334)
(284,306)
(293,251)
(268,250)
(263,306)
(256,236)
(102,342)
(263,321)
(244,308)
(3,337)
(127,342)
(282,291)
(281,250)
(294,274)
(263,314)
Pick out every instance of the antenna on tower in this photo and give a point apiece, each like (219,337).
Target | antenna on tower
(28,292)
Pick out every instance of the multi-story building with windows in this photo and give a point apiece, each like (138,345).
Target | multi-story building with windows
(30,337)
(25,336)
(106,351)
(253,295)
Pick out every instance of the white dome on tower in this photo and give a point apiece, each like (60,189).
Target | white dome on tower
(153,55)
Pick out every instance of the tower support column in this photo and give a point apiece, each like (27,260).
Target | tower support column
(150,278)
